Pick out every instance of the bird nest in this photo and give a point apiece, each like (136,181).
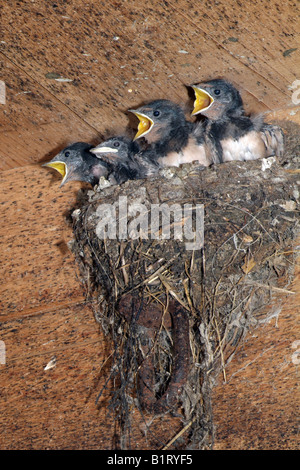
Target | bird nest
(175,312)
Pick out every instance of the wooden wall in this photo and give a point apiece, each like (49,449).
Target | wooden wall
(116,55)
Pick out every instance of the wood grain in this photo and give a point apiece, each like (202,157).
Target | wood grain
(114,63)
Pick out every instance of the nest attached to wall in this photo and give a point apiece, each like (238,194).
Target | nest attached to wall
(175,315)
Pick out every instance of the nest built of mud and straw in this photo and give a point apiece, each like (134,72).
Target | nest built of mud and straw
(174,316)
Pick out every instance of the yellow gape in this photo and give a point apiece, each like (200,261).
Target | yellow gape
(203,100)
(144,126)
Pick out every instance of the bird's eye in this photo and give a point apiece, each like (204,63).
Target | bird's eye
(116,144)
(67,153)
(156,113)
(217,92)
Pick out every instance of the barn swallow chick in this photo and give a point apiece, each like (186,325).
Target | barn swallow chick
(171,138)
(76,163)
(125,159)
(230,134)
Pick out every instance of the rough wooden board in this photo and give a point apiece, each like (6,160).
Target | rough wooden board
(143,52)
(35,262)
(133,55)
(35,125)
(52,408)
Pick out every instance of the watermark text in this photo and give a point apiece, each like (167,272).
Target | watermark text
(137,220)
(2,353)
(2,92)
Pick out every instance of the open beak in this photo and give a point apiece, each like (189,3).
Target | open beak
(61,167)
(145,124)
(203,100)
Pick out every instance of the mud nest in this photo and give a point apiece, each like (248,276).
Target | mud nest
(175,315)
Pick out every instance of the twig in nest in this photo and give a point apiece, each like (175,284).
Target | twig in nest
(155,275)
(179,434)
(171,291)
(218,331)
(265,286)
